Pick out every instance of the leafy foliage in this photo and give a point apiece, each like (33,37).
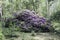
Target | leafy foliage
(31,21)
(56,16)
(1,34)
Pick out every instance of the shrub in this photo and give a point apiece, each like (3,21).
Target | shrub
(31,21)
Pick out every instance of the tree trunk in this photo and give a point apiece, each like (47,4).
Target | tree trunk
(0,10)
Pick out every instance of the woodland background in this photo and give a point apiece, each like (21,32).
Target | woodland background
(49,9)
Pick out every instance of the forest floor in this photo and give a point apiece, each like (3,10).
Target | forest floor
(36,36)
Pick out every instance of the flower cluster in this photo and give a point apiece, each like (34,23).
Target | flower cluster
(31,21)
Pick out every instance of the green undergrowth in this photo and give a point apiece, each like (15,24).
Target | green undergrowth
(35,36)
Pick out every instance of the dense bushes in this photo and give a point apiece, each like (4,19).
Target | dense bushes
(31,21)
(1,34)
(55,16)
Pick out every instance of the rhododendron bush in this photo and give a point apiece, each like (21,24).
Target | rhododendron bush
(31,21)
